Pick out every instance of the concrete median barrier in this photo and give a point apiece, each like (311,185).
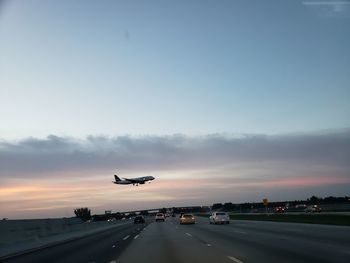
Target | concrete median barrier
(17,236)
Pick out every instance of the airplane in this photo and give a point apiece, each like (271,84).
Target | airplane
(133,181)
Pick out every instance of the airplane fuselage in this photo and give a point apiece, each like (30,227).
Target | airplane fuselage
(133,181)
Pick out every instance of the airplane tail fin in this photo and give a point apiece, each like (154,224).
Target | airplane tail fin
(116,178)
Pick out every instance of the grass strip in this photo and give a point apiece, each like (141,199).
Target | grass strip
(327,219)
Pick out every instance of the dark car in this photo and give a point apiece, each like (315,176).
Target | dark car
(279,209)
(139,220)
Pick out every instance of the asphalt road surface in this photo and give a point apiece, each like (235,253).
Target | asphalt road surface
(240,241)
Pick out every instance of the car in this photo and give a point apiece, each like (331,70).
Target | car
(187,219)
(219,218)
(313,209)
(160,217)
(139,220)
(279,209)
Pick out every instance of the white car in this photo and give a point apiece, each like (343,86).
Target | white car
(313,209)
(160,217)
(219,218)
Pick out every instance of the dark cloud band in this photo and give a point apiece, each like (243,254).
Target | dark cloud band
(152,153)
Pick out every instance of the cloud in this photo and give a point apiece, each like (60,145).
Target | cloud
(54,155)
(52,176)
(329,8)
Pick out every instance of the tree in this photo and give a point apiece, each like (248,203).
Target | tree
(163,210)
(83,213)
(229,206)
(144,213)
(314,199)
(217,206)
(176,210)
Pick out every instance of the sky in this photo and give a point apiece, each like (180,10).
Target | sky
(219,100)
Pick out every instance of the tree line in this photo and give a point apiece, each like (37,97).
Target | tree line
(313,200)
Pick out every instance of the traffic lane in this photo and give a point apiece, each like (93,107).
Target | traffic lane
(169,242)
(331,233)
(320,248)
(255,246)
(336,235)
(100,247)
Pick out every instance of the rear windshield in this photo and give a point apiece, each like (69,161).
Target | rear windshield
(187,216)
(159,214)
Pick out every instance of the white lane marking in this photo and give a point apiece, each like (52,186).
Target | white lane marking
(208,245)
(113,246)
(136,236)
(240,232)
(113,261)
(188,234)
(235,259)
(125,238)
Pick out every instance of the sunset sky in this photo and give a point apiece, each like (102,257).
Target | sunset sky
(219,100)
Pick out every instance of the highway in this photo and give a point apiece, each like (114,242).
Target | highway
(240,241)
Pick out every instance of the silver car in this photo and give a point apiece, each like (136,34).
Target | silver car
(160,217)
(219,218)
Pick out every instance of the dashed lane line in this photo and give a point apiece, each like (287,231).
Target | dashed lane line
(235,259)
(136,236)
(188,234)
(126,237)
